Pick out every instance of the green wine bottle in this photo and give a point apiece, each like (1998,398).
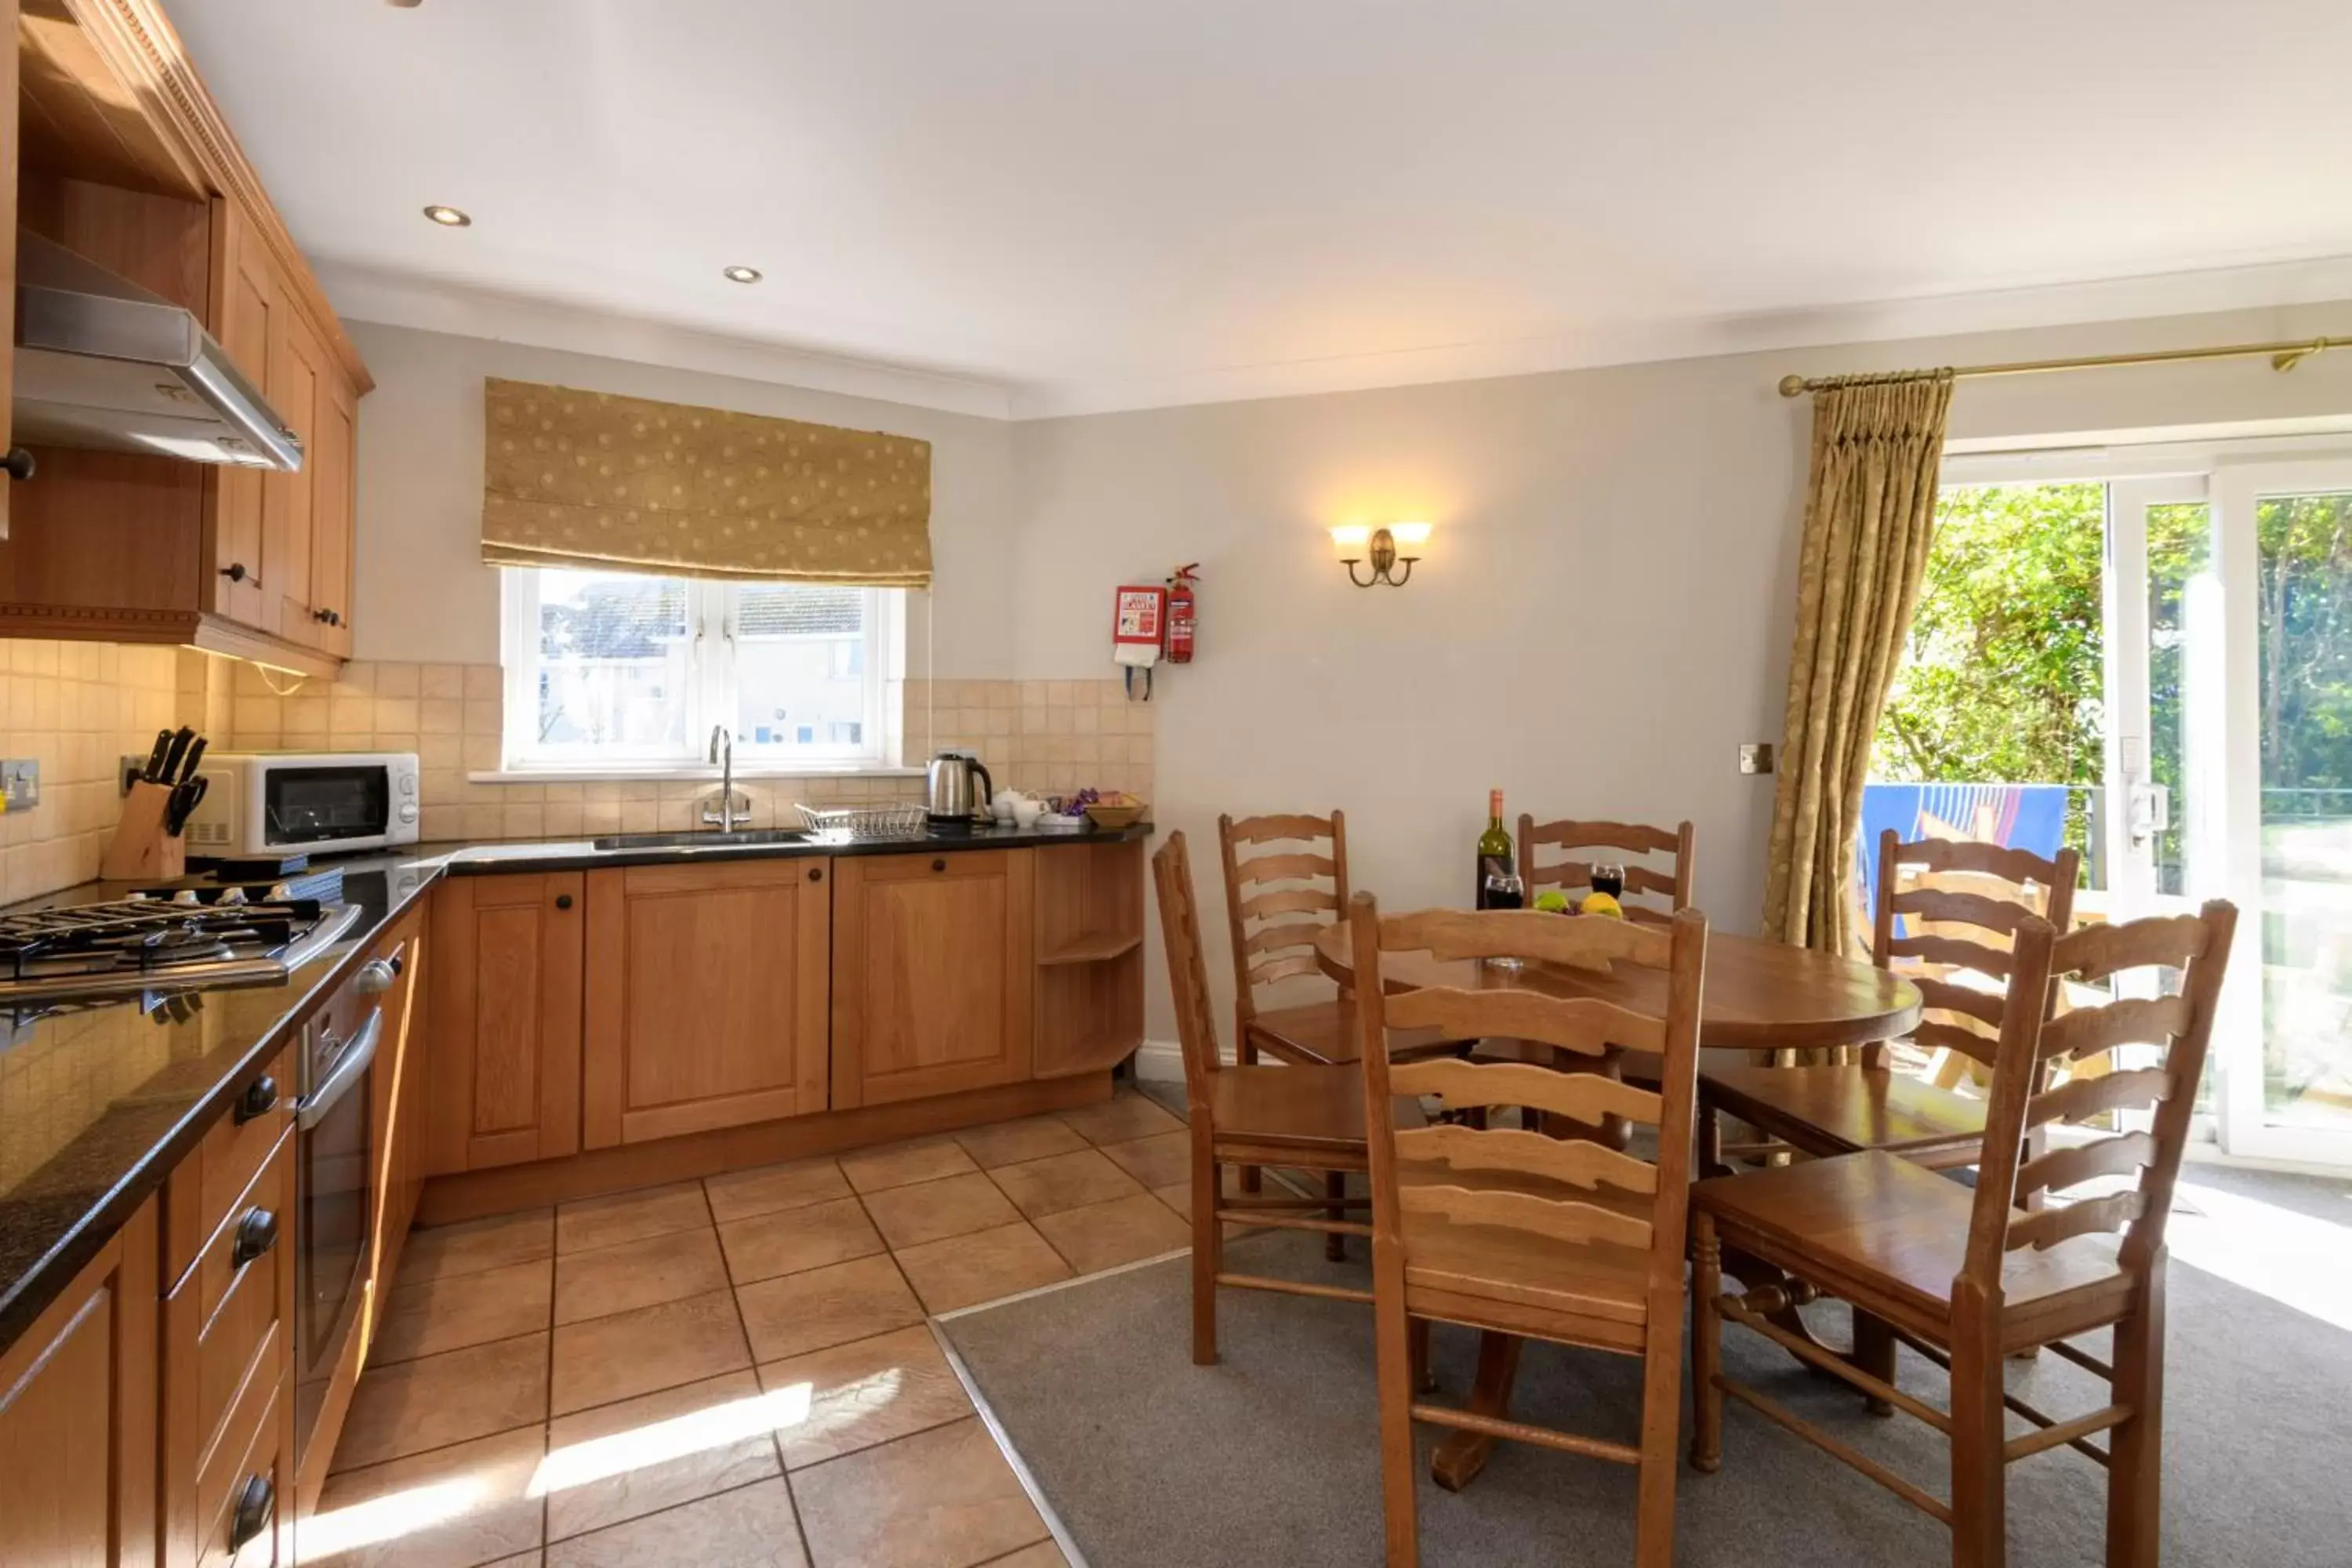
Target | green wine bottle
(1493,855)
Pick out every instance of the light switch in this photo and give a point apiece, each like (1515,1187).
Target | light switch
(1756,757)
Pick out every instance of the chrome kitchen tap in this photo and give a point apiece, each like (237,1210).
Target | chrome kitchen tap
(732,808)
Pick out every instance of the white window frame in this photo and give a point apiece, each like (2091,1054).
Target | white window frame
(712,691)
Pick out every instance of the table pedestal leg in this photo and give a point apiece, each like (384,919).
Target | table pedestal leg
(1462,1455)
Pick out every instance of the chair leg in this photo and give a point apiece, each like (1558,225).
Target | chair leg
(1874,1353)
(1662,1410)
(1335,1189)
(2135,1452)
(1980,1514)
(1394,1344)
(1245,1055)
(1208,1248)
(1707,1346)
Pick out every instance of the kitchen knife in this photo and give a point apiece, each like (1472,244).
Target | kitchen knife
(196,755)
(179,749)
(183,805)
(154,772)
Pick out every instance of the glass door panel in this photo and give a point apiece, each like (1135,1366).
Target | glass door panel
(2287,538)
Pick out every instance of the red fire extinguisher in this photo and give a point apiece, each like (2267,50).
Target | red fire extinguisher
(1181,615)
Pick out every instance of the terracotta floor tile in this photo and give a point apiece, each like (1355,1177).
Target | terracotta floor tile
(538,1560)
(894,1165)
(739,1194)
(1178,1195)
(944,1498)
(1008,1143)
(750,1527)
(590,1223)
(442,1251)
(966,1270)
(1104,1235)
(619,1461)
(864,1393)
(927,1210)
(412,1406)
(637,1273)
(1157,1160)
(823,1306)
(634,1353)
(484,1510)
(1064,1182)
(1045,1554)
(452,1312)
(790,1240)
(1119,1119)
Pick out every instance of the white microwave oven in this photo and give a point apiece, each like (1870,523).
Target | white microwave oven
(316,803)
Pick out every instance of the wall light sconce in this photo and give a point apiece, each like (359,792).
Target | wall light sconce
(1387,548)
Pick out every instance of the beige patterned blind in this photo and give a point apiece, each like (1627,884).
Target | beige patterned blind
(593,481)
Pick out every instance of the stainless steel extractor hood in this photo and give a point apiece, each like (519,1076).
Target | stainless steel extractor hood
(102,363)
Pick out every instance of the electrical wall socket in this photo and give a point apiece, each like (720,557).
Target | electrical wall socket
(20,781)
(1756,757)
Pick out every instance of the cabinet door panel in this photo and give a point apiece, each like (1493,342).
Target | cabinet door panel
(707,997)
(245,320)
(331,520)
(933,974)
(77,1417)
(297,385)
(505,1008)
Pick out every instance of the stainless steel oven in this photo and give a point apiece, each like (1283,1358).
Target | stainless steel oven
(335,1161)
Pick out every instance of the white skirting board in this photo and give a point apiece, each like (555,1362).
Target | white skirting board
(1160,1061)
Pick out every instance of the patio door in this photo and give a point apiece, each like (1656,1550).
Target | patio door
(2282,772)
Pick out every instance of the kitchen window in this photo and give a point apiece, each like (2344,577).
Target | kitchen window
(619,670)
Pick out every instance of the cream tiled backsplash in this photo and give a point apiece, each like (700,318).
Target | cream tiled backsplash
(76,707)
(1047,737)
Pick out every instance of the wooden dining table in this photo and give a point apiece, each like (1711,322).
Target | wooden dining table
(1758,995)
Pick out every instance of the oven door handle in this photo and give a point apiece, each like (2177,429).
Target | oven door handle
(349,1068)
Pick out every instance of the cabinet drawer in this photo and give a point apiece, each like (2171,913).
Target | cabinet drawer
(245,1498)
(225,1330)
(222,1165)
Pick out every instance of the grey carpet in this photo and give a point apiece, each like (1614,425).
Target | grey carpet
(1270,1459)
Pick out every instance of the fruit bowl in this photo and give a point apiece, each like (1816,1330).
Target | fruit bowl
(1116,814)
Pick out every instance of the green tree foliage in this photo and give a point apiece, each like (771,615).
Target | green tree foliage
(2304,546)
(2001,683)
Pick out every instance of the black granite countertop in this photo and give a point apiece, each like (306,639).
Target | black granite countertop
(98,1103)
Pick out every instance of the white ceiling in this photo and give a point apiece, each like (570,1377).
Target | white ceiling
(1059,204)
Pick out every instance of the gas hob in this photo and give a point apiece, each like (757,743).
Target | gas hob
(167,939)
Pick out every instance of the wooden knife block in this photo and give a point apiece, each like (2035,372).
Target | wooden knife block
(142,850)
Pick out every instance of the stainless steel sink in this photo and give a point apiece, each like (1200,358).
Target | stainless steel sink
(705,840)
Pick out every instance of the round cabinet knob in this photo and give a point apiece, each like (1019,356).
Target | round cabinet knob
(939,864)
(20,463)
(260,1097)
(255,1505)
(562,900)
(256,1233)
(235,571)
(816,873)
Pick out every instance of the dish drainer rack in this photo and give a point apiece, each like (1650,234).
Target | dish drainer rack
(896,819)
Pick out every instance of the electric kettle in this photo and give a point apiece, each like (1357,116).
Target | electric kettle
(948,794)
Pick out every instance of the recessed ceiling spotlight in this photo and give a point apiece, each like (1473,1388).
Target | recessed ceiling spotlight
(740,274)
(406,4)
(448,218)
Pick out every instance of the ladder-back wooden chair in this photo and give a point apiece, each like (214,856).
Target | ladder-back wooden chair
(1960,922)
(1969,1278)
(1511,1231)
(1275,904)
(1301,1117)
(1608,843)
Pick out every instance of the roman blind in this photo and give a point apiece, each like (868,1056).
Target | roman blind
(598,482)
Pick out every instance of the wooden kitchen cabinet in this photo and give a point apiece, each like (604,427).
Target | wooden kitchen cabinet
(248,318)
(77,1415)
(707,997)
(504,1009)
(933,973)
(395,1115)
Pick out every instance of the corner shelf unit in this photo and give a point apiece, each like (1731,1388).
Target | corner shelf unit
(1090,982)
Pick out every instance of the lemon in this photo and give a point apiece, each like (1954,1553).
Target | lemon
(1602,904)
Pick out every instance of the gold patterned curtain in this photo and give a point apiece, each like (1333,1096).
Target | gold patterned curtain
(1870,512)
(593,481)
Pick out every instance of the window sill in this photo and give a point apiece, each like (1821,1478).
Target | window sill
(696,773)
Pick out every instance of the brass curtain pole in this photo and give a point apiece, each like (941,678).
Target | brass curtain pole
(2282,357)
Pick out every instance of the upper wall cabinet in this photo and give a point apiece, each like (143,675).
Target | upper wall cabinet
(127,162)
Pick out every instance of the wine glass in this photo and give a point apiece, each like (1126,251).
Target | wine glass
(1503,890)
(1610,880)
